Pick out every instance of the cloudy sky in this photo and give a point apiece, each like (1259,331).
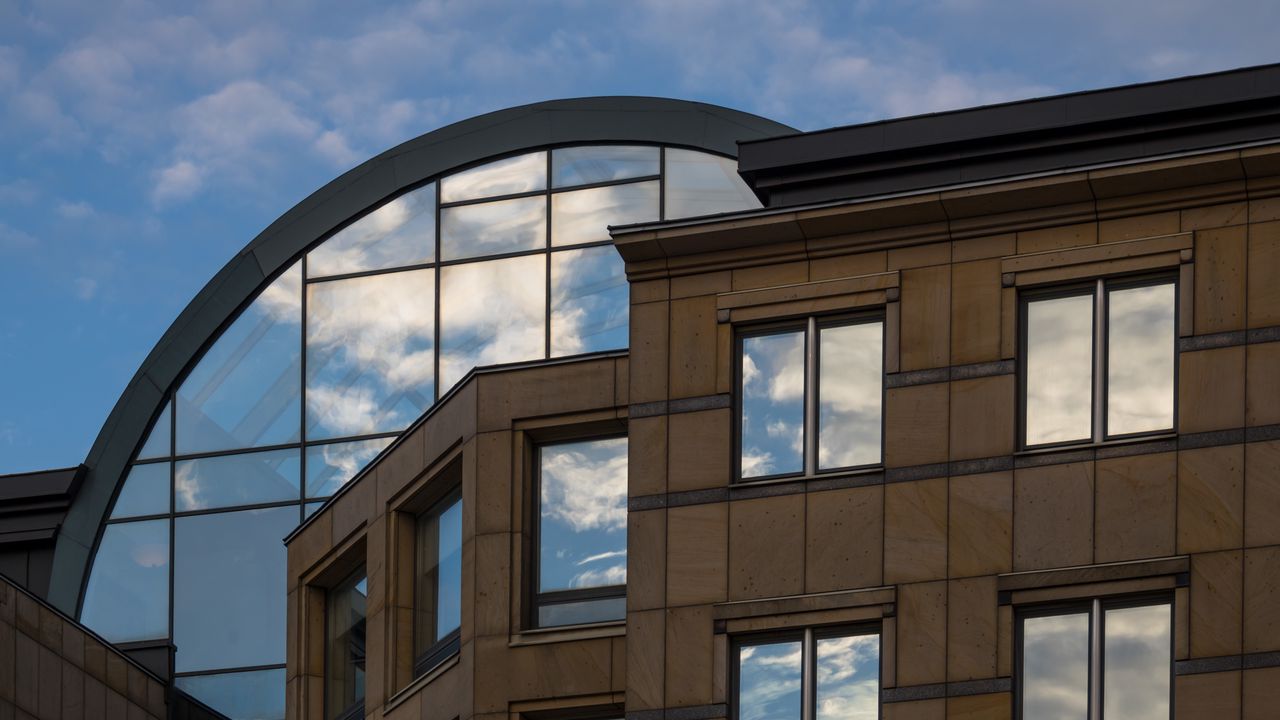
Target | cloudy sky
(143,143)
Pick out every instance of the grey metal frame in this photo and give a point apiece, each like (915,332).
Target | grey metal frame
(444,647)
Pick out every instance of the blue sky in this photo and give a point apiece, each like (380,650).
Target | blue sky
(143,143)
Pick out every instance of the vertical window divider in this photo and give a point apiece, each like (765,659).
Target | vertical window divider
(808,673)
(1095,660)
(1099,361)
(811,400)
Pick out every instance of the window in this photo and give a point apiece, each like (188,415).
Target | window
(1098,361)
(815,674)
(345,648)
(1095,660)
(810,397)
(581,573)
(437,601)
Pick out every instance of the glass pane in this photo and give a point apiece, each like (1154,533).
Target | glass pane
(157,444)
(1055,667)
(1136,663)
(602,163)
(438,595)
(1060,369)
(493,228)
(370,353)
(145,491)
(229,588)
(850,382)
(245,391)
(702,184)
(585,215)
(491,312)
(345,638)
(329,467)
(773,404)
(310,508)
(127,597)
(254,695)
(769,681)
(584,612)
(590,301)
(401,232)
(848,678)
(522,173)
(226,480)
(582,529)
(1140,357)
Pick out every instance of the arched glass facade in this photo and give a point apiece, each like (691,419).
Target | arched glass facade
(503,262)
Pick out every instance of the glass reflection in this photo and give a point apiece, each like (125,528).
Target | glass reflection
(157,443)
(229,588)
(145,491)
(1140,357)
(438,593)
(245,391)
(769,676)
(582,612)
(370,359)
(1136,657)
(850,377)
(329,467)
(127,597)
(491,312)
(701,184)
(585,215)
(522,173)
(400,232)
(345,636)
(601,163)
(1059,369)
(1055,667)
(254,695)
(848,677)
(226,480)
(590,301)
(583,515)
(493,228)
(773,404)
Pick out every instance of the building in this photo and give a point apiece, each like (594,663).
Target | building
(966,415)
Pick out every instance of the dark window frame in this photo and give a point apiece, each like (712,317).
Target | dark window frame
(451,643)
(808,637)
(355,711)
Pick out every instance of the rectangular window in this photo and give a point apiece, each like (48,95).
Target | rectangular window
(1098,361)
(823,674)
(1095,660)
(437,601)
(810,397)
(345,648)
(581,572)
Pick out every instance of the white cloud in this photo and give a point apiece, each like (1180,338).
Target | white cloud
(86,288)
(12,239)
(178,181)
(78,210)
(333,145)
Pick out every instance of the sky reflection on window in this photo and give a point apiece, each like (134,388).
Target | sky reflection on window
(585,215)
(1140,358)
(1059,369)
(851,377)
(773,404)
(602,163)
(493,228)
(1055,667)
(1136,655)
(127,597)
(583,515)
(522,173)
(399,233)
(769,678)
(590,301)
(848,678)
(491,312)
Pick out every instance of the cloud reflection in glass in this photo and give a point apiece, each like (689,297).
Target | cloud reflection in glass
(773,404)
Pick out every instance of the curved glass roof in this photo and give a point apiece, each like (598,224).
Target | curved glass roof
(504,262)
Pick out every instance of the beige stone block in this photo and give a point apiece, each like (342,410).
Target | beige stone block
(915,256)
(494,473)
(982,412)
(700,448)
(50,684)
(1057,238)
(1264,267)
(692,346)
(557,669)
(1210,499)
(72,692)
(1261,693)
(1215,603)
(916,425)
(1053,516)
(492,583)
(618,670)
(8,649)
(688,653)
(922,633)
(622,381)
(844,539)
(701,284)
(996,706)
(50,629)
(915,531)
(356,506)
(1004,641)
(543,391)
(975,311)
(28,616)
(404,463)
(1262,599)
(1266,210)
(1262,383)
(926,318)
(646,559)
(916,710)
(1211,389)
(843,266)
(26,662)
(766,547)
(646,291)
(1215,216)
(1262,490)
(1139,226)
(646,648)
(980,524)
(1220,257)
(1208,696)
(648,352)
(647,456)
(117,673)
(771,275)
(73,644)
(979,248)
(1136,507)
(95,659)
(697,554)
(972,624)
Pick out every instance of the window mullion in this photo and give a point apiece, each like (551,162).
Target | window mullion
(808,676)
(1099,361)
(811,398)
(1095,661)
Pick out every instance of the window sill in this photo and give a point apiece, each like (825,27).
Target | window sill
(824,475)
(421,681)
(1114,442)
(568,633)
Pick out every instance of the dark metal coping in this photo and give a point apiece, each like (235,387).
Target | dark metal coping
(529,127)
(1016,138)
(32,505)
